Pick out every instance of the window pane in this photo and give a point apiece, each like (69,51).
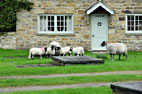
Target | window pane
(50,23)
(140,28)
(60,23)
(42,23)
(132,28)
(129,17)
(136,18)
(129,28)
(140,17)
(136,28)
(136,23)
(69,23)
(132,17)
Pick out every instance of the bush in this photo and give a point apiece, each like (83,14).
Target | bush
(8,9)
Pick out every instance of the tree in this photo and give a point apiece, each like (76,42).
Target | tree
(8,9)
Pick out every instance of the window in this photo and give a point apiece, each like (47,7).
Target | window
(134,23)
(55,23)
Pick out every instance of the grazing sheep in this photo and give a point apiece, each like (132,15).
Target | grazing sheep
(78,51)
(66,50)
(50,51)
(37,51)
(115,49)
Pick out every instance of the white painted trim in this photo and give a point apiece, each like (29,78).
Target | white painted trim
(98,5)
(132,32)
(55,23)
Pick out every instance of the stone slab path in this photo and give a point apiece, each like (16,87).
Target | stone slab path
(35,88)
(68,75)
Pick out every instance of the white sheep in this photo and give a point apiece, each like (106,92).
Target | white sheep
(57,47)
(50,51)
(55,44)
(78,51)
(37,51)
(66,50)
(115,49)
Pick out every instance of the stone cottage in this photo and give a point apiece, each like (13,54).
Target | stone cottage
(78,23)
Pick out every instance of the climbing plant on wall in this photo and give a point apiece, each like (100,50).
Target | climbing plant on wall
(8,9)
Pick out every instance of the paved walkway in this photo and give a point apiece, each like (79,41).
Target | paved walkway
(31,88)
(76,74)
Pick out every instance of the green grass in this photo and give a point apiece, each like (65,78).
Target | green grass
(8,65)
(87,90)
(67,80)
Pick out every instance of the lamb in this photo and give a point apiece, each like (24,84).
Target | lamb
(37,51)
(66,50)
(50,51)
(115,49)
(78,51)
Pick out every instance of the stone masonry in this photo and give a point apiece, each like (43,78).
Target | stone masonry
(27,35)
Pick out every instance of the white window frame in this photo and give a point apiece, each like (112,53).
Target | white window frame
(134,31)
(55,24)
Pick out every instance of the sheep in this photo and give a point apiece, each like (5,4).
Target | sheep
(57,47)
(78,51)
(37,51)
(50,51)
(66,50)
(115,49)
(54,44)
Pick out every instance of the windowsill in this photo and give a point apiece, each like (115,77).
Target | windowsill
(134,33)
(55,34)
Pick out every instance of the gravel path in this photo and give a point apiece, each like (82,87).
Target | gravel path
(37,88)
(76,74)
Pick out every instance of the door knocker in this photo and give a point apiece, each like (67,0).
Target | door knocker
(99,24)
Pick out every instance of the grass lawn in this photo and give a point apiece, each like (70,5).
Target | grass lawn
(87,90)
(9,59)
(68,80)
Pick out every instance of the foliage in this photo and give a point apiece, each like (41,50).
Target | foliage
(8,9)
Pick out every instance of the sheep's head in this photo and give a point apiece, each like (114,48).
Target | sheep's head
(103,43)
(57,48)
(45,49)
(71,48)
(52,47)
(57,51)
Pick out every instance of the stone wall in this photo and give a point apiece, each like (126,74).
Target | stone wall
(7,40)
(27,35)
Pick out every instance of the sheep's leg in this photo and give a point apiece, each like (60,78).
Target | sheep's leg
(111,56)
(40,56)
(119,56)
(32,56)
(126,57)
(69,54)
